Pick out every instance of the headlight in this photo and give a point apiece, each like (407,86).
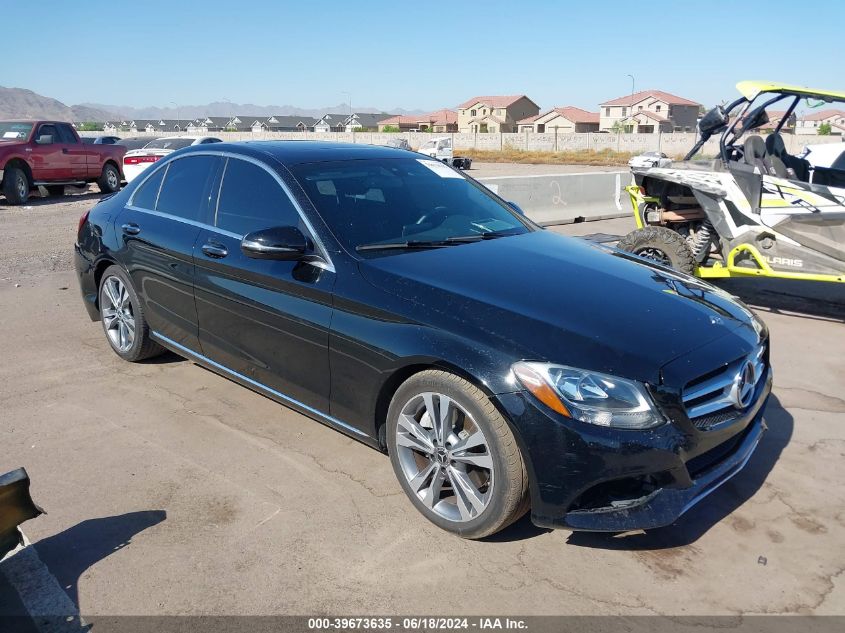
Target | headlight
(589,396)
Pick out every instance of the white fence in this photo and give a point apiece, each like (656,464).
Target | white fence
(672,144)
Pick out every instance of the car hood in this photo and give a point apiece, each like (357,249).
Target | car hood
(543,296)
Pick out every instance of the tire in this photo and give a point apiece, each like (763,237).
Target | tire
(116,321)
(56,190)
(16,185)
(109,180)
(662,245)
(441,467)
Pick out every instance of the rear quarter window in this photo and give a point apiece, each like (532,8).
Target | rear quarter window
(147,194)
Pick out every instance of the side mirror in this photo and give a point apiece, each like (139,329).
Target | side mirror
(281,242)
(713,121)
(44,139)
(516,207)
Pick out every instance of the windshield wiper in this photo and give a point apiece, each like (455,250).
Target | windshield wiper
(477,237)
(403,245)
(449,241)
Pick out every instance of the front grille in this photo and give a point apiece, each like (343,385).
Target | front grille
(712,400)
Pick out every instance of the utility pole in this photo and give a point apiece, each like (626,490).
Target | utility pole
(349,101)
(178,120)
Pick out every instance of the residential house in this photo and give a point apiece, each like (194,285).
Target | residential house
(331,123)
(112,127)
(364,121)
(495,113)
(204,125)
(649,111)
(284,123)
(775,117)
(565,120)
(809,123)
(437,121)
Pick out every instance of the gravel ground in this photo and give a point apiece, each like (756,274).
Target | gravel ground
(171,490)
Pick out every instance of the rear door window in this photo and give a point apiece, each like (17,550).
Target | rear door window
(188,187)
(251,199)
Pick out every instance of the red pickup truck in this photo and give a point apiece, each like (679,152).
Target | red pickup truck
(50,153)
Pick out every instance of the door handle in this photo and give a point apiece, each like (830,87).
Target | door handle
(216,251)
(64,150)
(130,228)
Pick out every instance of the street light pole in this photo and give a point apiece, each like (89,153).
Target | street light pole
(631,114)
(178,121)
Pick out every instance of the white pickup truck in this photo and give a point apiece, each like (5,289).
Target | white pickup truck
(441,149)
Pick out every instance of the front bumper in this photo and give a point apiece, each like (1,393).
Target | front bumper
(584,477)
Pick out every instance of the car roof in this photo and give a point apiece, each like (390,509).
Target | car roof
(750,90)
(293,152)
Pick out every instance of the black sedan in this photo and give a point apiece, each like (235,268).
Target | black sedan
(501,366)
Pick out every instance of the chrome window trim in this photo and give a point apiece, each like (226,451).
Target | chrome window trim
(169,216)
(326,264)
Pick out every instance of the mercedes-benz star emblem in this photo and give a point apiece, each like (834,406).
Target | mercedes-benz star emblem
(742,390)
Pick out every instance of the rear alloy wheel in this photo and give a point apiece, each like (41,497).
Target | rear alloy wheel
(123,319)
(109,180)
(661,245)
(15,185)
(455,456)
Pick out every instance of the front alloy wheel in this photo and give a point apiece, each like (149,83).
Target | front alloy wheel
(455,455)
(444,457)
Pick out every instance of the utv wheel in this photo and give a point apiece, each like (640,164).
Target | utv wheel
(109,180)
(123,319)
(56,190)
(455,456)
(15,185)
(661,245)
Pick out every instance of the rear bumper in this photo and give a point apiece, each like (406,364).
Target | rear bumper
(87,282)
(584,477)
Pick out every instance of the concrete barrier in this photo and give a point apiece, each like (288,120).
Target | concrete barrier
(565,198)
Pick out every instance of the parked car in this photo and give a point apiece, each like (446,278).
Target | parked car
(136,142)
(441,149)
(399,143)
(100,140)
(50,153)
(137,160)
(390,297)
(826,155)
(649,159)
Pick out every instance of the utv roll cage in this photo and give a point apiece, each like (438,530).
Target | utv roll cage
(719,120)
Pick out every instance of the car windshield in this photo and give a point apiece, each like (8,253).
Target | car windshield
(403,201)
(169,143)
(14,130)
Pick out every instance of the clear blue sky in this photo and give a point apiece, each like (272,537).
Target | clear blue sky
(424,55)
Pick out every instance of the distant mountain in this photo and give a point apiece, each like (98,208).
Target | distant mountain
(19,103)
(224,108)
